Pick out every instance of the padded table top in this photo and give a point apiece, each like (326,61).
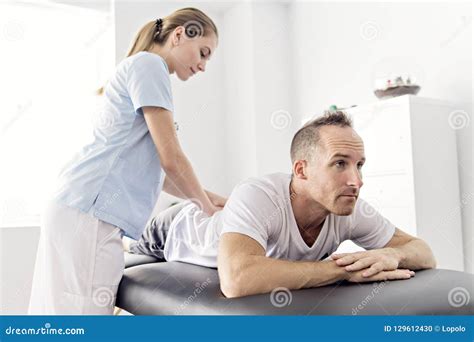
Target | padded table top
(138,259)
(174,288)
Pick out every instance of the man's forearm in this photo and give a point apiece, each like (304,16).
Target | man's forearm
(415,255)
(260,274)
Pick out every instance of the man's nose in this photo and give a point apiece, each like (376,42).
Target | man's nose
(355,179)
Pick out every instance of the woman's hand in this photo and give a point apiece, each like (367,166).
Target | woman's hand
(212,210)
(216,200)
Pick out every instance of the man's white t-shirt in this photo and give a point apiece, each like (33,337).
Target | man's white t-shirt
(261,209)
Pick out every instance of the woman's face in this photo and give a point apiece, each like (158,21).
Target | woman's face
(188,56)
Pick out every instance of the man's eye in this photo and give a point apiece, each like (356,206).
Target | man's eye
(360,166)
(340,163)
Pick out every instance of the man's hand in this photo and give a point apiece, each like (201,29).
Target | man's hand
(370,262)
(358,277)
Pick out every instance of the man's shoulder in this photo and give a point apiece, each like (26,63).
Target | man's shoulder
(272,188)
(274,185)
(271,180)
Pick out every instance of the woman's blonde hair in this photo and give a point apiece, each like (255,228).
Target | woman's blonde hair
(195,22)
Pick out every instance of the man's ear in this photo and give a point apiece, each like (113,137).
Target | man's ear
(299,169)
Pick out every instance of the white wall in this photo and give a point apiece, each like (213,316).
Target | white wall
(238,72)
(339,48)
(275,124)
(258,116)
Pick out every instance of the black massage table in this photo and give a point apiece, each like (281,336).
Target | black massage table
(150,287)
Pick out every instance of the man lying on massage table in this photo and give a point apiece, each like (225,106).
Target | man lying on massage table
(278,230)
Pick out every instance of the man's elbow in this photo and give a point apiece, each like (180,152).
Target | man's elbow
(232,280)
(232,285)
(424,258)
(431,262)
(231,290)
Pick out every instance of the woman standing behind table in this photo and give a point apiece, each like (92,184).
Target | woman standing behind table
(110,188)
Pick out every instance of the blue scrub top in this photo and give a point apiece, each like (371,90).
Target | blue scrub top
(118,177)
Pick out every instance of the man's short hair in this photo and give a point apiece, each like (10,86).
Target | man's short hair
(305,141)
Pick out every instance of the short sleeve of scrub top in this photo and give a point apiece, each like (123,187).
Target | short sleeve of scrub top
(148,85)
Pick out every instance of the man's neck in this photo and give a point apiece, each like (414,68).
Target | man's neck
(309,214)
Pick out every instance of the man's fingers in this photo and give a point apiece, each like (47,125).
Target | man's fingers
(406,270)
(338,256)
(342,255)
(348,259)
(398,274)
(360,264)
(373,270)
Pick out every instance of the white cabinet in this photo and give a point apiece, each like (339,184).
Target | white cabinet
(411,172)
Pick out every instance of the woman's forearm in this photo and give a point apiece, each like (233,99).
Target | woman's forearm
(181,181)
(170,188)
(216,199)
